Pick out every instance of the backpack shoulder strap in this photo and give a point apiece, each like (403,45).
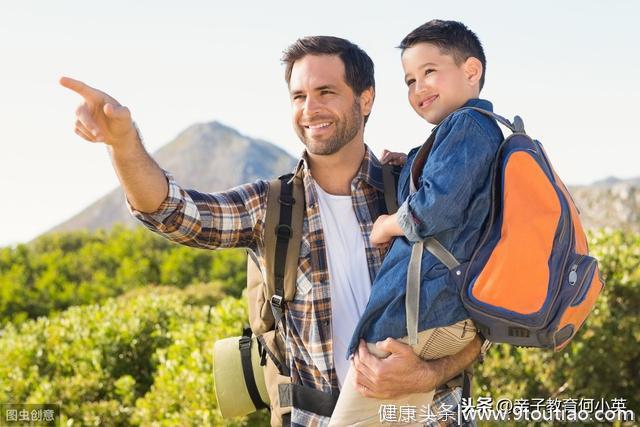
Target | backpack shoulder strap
(282,237)
(390,175)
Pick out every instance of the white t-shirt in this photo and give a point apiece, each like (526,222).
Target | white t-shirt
(348,272)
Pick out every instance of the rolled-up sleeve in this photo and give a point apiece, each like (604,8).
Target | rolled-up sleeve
(226,219)
(456,169)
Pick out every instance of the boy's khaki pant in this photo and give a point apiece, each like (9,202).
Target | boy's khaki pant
(353,409)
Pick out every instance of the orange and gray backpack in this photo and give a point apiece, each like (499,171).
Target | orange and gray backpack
(530,281)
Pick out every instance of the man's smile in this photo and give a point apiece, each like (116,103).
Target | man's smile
(317,128)
(317,125)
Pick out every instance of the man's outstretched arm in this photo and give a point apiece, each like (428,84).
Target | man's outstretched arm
(403,372)
(100,118)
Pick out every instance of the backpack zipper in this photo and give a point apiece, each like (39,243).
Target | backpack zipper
(573,274)
(582,288)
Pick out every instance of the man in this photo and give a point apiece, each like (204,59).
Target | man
(332,89)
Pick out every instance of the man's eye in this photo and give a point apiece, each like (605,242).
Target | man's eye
(410,82)
(298,97)
(325,92)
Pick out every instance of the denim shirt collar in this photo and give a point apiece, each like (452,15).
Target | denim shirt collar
(473,102)
(479,103)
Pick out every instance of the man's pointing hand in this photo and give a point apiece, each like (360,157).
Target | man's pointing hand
(100,118)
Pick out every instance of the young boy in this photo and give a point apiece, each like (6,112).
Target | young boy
(444,66)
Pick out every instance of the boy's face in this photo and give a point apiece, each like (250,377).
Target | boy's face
(437,86)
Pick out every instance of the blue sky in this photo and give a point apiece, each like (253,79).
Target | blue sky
(568,68)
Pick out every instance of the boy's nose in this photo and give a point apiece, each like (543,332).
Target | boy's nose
(420,86)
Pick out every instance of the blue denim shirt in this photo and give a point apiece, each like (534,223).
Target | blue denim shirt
(451,203)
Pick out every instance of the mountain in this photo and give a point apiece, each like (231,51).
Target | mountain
(211,157)
(208,157)
(612,202)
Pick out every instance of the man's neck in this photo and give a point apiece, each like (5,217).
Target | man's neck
(334,173)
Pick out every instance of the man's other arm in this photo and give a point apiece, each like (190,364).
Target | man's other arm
(403,372)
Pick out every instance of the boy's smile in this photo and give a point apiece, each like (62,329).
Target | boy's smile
(437,85)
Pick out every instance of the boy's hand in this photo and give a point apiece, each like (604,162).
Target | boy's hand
(393,158)
(100,118)
(384,229)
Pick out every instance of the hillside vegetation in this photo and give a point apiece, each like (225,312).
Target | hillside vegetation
(119,329)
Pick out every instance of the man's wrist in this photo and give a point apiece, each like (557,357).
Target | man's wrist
(129,143)
(430,375)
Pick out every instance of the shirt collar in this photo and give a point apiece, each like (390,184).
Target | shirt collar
(479,103)
(370,169)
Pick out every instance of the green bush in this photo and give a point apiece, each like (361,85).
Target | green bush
(145,357)
(61,270)
(139,360)
(602,361)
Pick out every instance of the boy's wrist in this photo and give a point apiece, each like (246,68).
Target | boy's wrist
(391,226)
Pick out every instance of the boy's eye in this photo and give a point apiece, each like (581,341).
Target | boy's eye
(428,71)
(410,82)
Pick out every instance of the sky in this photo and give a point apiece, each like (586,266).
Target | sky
(569,69)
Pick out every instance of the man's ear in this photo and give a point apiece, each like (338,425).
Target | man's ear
(366,100)
(473,70)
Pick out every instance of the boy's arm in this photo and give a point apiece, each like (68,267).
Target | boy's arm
(385,228)
(458,166)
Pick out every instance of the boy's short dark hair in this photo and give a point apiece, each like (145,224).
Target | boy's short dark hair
(453,38)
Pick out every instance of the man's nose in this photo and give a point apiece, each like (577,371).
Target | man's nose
(311,105)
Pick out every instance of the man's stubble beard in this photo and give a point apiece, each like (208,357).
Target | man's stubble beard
(346,130)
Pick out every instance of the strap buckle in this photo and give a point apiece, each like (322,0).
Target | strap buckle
(244,343)
(276,301)
(284,231)
(286,201)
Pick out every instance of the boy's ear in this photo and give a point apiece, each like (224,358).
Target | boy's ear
(366,100)
(473,70)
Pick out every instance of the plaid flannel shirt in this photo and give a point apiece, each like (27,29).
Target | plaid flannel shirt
(235,218)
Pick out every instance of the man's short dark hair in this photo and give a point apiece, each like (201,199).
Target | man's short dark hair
(358,66)
(452,38)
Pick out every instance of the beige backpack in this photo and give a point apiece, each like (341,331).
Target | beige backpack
(268,295)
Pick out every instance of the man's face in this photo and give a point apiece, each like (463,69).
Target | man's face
(437,85)
(326,113)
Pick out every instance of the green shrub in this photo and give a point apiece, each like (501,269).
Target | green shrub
(602,361)
(145,357)
(142,359)
(60,270)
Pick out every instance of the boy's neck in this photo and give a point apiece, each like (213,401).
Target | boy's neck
(473,98)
